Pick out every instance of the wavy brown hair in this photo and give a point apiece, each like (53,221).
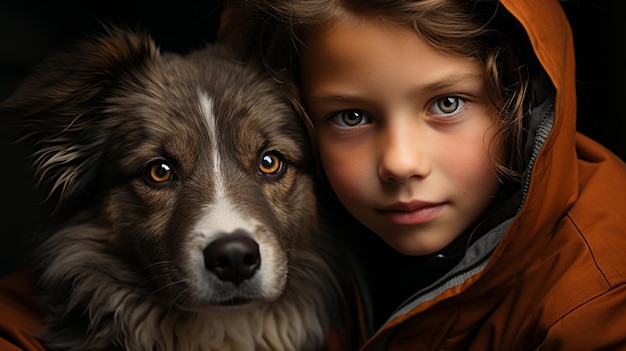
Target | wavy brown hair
(274,31)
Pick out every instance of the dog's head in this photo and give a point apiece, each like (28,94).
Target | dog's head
(187,176)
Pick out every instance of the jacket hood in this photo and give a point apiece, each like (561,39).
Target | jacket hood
(550,186)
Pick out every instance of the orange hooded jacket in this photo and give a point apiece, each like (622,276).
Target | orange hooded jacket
(553,277)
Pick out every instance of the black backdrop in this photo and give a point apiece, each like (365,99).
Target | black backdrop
(30,31)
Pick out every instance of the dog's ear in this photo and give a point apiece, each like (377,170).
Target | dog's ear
(57,111)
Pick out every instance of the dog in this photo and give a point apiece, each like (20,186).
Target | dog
(181,200)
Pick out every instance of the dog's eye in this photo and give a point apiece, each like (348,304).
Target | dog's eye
(159,172)
(271,163)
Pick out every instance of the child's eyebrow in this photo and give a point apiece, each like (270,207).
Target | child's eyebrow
(452,80)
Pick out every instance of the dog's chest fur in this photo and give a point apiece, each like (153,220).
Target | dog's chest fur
(182,208)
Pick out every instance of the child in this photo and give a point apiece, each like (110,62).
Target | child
(446,130)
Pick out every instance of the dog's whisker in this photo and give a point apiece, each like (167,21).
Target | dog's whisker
(173,303)
(296,269)
(146,267)
(161,288)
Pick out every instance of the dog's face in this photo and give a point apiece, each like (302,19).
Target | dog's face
(187,176)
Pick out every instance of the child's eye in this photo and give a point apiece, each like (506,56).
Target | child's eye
(447,105)
(350,118)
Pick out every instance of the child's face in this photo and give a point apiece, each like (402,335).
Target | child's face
(403,132)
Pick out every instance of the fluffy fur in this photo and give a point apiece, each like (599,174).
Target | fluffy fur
(144,160)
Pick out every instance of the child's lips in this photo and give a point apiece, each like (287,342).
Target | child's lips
(411,213)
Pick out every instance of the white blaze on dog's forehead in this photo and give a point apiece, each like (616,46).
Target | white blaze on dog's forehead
(221,215)
(206,104)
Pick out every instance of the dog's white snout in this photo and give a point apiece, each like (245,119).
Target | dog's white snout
(234,257)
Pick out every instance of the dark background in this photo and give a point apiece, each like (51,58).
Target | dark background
(31,31)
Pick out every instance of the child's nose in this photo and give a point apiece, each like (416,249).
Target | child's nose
(403,157)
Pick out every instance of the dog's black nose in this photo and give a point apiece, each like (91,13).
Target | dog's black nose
(233,258)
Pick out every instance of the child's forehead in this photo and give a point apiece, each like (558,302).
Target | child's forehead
(338,31)
(347,56)
(358,41)
(356,20)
